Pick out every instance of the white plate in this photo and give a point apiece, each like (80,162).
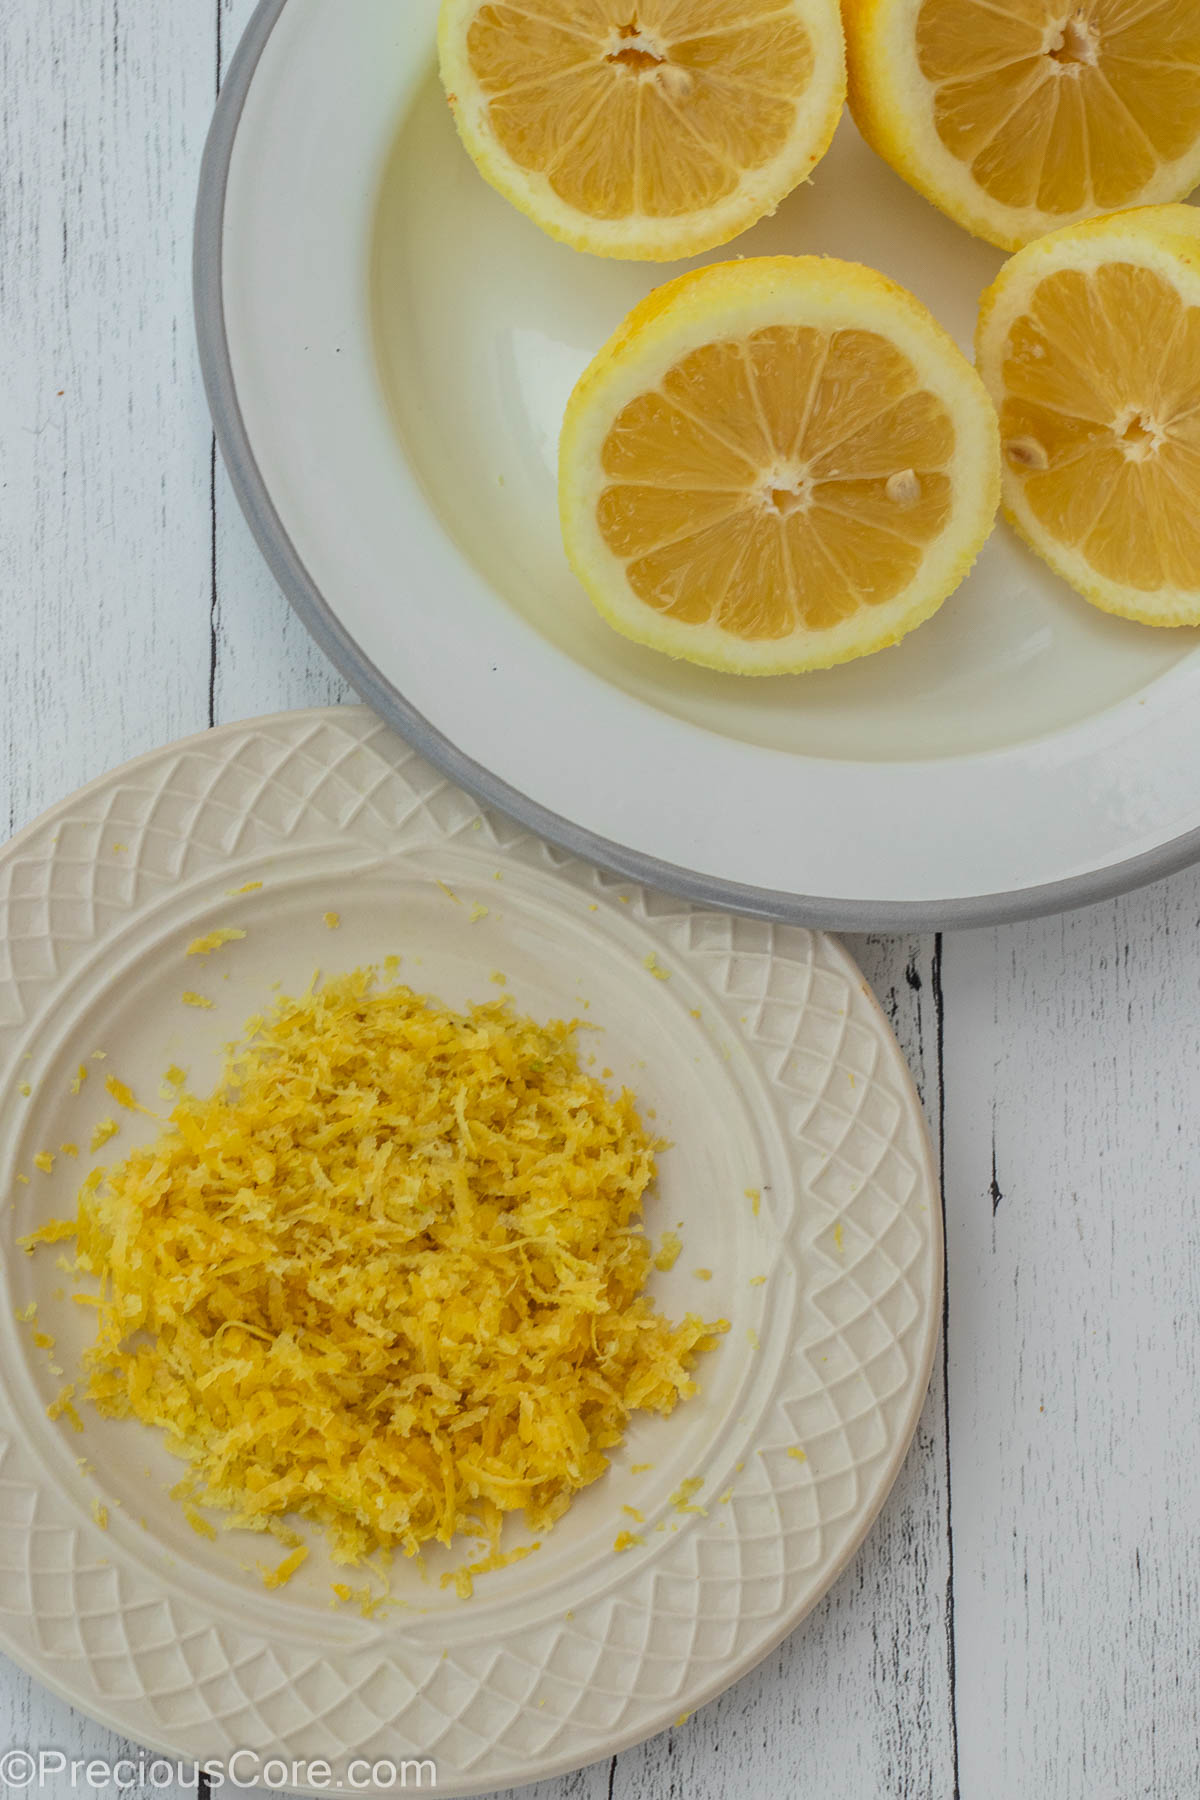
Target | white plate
(388,348)
(788,1081)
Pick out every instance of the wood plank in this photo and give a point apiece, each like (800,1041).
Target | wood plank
(857,1702)
(33,1719)
(104,528)
(1074,1252)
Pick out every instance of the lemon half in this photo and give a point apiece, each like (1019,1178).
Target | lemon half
(776,465)
(1018,116)
(648,129)
(1089,342)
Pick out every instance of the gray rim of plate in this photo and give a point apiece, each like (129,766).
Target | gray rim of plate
(323,623)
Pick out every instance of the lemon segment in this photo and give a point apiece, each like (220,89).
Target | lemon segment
(776,465)
(1089,342)
(649,129)
(1018,116)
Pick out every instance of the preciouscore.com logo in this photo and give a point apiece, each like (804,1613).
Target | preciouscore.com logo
(23,1770)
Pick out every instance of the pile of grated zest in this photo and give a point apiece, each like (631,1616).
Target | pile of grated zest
(389,1276)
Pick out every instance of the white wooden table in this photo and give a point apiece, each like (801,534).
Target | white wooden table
(1024,1621)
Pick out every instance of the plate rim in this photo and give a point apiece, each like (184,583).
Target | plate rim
(321,620)
(356,720)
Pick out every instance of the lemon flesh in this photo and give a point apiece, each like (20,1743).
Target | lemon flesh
(776,465)
(648,129)
(1089,342)
(1018,116)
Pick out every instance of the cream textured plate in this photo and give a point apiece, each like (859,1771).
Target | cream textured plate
(769,1066)
(388,348)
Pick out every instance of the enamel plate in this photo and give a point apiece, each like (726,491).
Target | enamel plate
(389,346)
(799,1175)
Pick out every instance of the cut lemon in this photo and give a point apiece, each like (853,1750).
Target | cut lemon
(776,465)
(644,128)
(1018,116)
(1089,342)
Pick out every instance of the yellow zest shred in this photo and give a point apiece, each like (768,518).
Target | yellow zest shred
(625,1540)
(25,1090)
(250,887)
(61,1407)
(283,1534)
(702,1274)
(681,1498)
(273,1578)
(754,1196)
(123,1095)
(213,940)
(106,1129)
(191,999)
(796,1453)
(100,1514)
(80,1078)
(639,1468)
(44,1160)
(24,1180)
(71,1150)
(652,963)
(388,1276)
(499,979)
(838,1236)
(668,1251)
(175,1076)
(333,920)
(369,1603)
(634,1514)
(463,1580)
(478,911)
(200,1525)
